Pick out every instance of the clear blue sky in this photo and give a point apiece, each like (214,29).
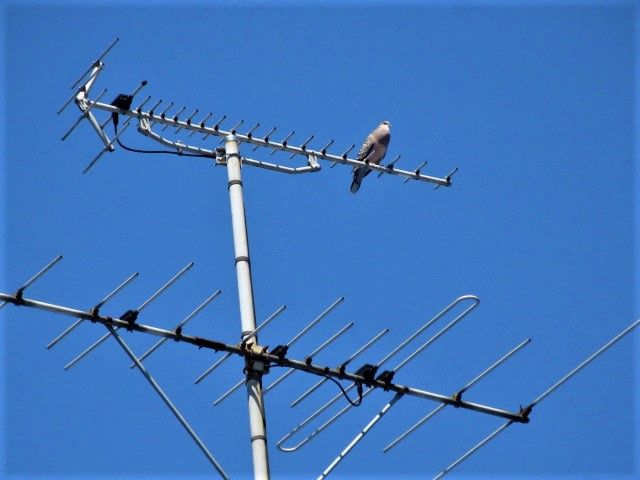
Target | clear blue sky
(534,104)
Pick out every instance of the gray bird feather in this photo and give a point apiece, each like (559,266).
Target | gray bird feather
(373,151)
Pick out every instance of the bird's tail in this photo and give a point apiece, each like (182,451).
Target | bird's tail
(357,180)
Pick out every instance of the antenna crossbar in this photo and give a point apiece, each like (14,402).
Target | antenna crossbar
(266,357)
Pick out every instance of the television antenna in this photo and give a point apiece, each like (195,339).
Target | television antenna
(259,359)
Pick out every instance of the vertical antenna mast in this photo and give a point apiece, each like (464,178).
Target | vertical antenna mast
(255,370)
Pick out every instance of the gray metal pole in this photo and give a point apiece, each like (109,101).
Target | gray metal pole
(168,403)
(257,420)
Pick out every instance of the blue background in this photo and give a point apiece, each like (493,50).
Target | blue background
(534,104)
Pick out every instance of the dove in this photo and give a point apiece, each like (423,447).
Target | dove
(373,151)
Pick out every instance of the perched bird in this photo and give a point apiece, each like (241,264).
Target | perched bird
(373,150)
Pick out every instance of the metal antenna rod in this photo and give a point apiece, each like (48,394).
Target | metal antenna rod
(31,281)
(202,122)
(208,371)
(109,147)
(236,126)
(187,319)
(168,403)
(144,102)
(175,118)
(264,324)
(390,165)
(447,177)
(84,115)
(317,350)
(346,362)
(573,372)
(344,154)
(284,141)
(44,270)
(416,171)
(251,130)
(232,130)
(315,321)
(189,118)
(97,307)
(95,63)
(303,146)
(146,303)
(266,138)
(228,355)
(162,289)
(229,392)
(255,370)
(434,319)
(115,291)
(414,427)
(324,149)
(95,70)
(360,436)
(164,112)
(155,106)
(431,414)
(477,447)
(216,126)
(544,395)
(436,336)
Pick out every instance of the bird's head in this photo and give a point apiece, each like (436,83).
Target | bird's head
(386,123)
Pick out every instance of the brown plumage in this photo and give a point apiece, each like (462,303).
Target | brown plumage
(373,151)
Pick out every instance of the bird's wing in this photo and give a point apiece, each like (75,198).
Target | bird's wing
(367,147)
(374,147)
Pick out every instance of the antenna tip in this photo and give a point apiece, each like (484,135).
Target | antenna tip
(144,82)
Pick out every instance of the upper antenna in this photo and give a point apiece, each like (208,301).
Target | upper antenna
(148,119)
